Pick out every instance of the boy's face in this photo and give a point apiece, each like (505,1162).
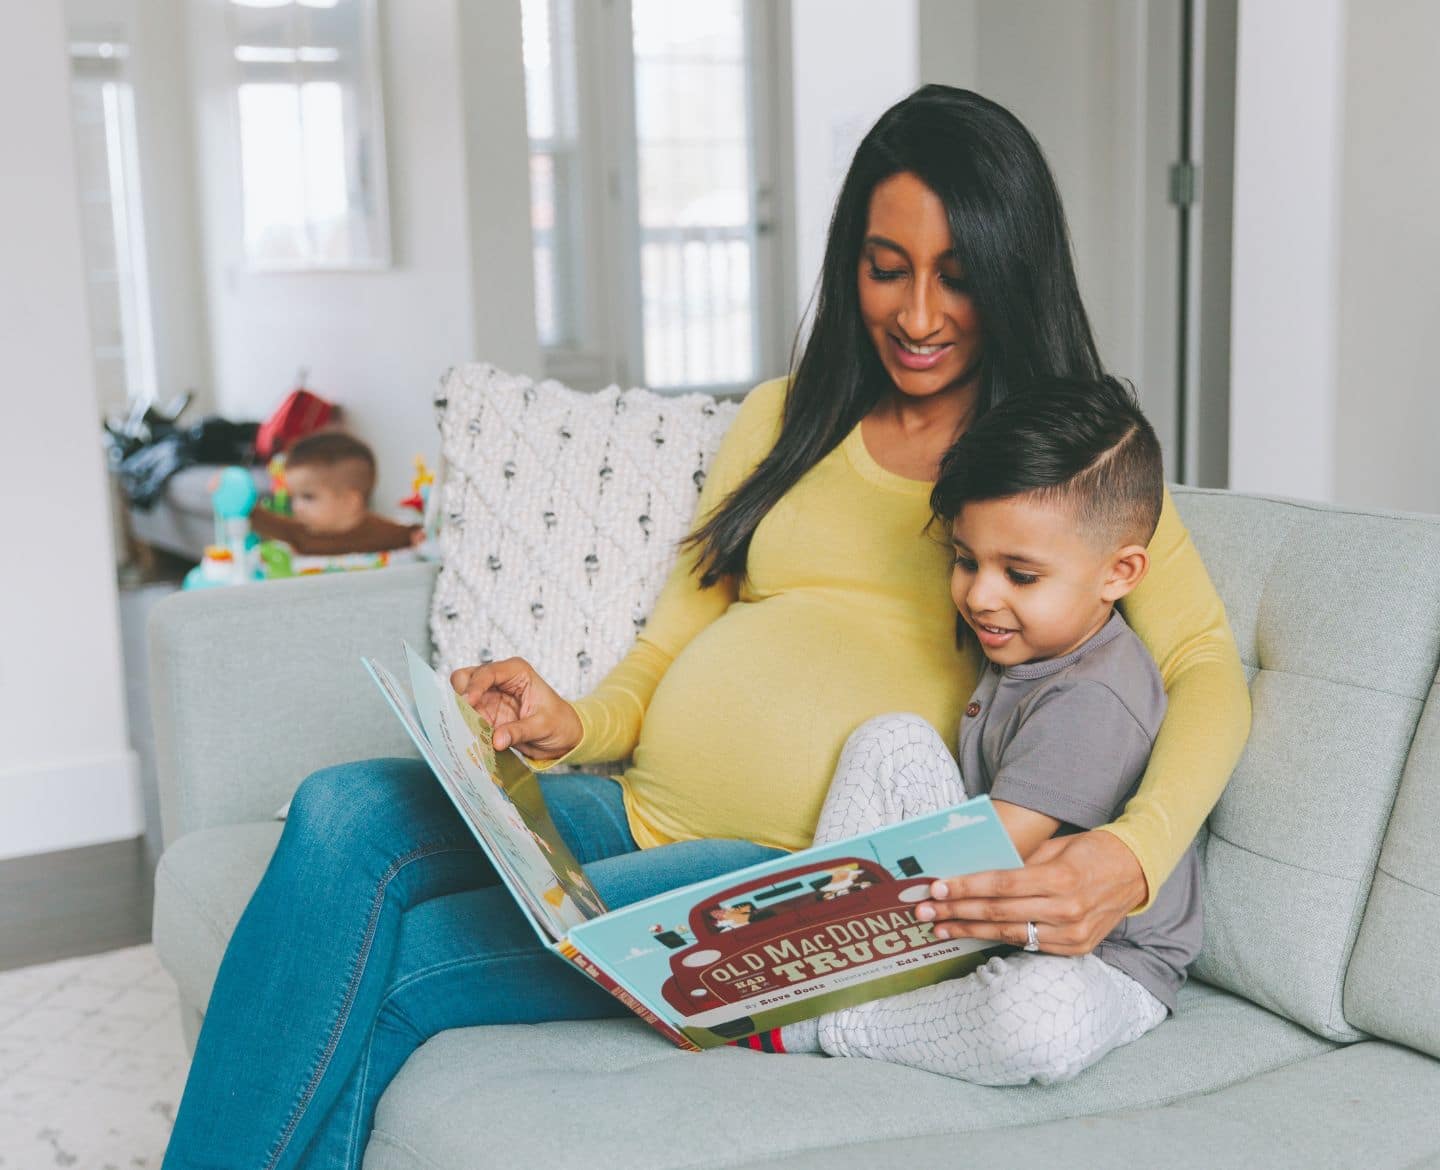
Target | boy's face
(1029,583)
(322,501)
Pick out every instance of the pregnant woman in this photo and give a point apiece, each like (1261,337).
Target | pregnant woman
(810,598)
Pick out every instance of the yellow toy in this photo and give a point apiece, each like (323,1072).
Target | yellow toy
(419,498)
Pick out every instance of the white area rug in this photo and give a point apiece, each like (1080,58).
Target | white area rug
(92,1063)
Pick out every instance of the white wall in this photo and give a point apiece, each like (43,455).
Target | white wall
(850,61)
(949,42)
(1064,71)
(1388,380)
(1289,103)
(460,286)
(67,776)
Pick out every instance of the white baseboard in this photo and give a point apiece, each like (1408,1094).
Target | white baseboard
(64,806)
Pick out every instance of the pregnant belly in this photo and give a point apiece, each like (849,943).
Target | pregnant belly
(742,736)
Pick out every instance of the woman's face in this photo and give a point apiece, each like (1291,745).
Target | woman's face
(912,291)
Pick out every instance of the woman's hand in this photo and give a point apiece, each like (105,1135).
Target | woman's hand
(523,708)
(1075,889)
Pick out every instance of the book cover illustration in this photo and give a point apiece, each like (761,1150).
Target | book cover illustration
(718,960)
(808,933)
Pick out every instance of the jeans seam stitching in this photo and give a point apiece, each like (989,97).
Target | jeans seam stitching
(333,1041)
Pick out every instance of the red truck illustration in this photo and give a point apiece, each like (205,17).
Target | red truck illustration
(791,928)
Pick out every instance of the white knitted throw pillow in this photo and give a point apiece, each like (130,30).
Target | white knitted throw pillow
(560,517)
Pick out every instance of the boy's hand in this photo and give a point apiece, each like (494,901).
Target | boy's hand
(523,708)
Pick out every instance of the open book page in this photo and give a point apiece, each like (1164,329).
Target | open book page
(520,783)
(496,794)
(817,930)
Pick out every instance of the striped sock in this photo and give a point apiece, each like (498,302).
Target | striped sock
(803,1036)
(767,1041)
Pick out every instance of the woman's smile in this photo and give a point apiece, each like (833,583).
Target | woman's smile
(919,357)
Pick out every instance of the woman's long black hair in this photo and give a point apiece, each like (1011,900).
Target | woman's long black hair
(1013,248)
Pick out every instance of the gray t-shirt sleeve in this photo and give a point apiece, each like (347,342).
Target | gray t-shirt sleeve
(1075,756)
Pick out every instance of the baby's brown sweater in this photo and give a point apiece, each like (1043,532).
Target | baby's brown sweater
(372,534)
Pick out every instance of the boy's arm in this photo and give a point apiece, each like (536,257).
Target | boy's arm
(1075,757)
(1028,829)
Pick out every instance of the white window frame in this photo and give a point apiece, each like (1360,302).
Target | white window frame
(363,90)
(97,59)
(610,345)
(570,186)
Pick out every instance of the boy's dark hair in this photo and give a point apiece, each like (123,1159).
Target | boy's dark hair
(1084,445)
(347,456)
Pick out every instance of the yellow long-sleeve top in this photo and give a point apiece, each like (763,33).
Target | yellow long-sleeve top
(735,701)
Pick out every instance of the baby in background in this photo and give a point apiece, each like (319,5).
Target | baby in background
(330,477)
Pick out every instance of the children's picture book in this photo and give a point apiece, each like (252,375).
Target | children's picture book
(716,961)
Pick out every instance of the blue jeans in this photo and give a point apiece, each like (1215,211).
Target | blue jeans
(378,924)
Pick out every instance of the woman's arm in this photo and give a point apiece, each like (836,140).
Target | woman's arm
(1180,618)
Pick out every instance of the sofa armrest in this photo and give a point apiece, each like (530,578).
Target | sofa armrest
(255,687)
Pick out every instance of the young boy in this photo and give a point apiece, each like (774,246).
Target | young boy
(330,476)
(1051,499)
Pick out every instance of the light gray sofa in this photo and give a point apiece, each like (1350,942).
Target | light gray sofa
(1307,1039)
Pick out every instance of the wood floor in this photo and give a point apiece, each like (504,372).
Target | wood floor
(75,902)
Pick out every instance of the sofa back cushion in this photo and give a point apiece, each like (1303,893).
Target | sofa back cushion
(560,514)
(1392,988)
(1337,615)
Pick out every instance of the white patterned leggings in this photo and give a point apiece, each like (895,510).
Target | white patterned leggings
(1016,1019)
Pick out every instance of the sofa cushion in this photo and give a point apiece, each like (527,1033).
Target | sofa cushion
(202,884)
(255,687)
(730,1106)
(561,513)
(1366,1105)
(1391,988)
(1337,615)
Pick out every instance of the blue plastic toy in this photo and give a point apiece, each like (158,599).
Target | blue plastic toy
(232,559)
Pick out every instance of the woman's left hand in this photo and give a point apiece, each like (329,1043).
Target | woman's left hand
(1075,889)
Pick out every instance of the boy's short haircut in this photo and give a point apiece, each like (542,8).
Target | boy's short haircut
(346,457)
(1083,445)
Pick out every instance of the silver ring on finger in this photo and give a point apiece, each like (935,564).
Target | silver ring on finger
(1032,941)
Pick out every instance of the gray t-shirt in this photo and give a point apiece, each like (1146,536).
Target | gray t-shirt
(1069,738)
